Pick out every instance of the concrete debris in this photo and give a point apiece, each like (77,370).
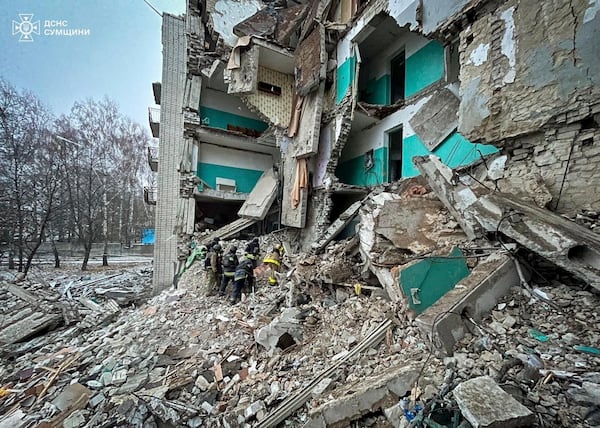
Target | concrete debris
(337,357)
(334,351)
(485,405)
(380,392)
(553,237)
(283,332)
(476,295)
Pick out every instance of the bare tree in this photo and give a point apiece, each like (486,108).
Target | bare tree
(26,166)
(104,168)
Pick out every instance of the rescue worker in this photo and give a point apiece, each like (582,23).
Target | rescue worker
(253,247)
(230,262)
(244,275)
(273,260)
(213,265)
(251,253)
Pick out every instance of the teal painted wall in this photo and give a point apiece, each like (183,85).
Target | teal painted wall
(220,119)
(345,76)
(424,67)
(378,91)
(245,179)
(433,277)
(455,151)
(353,171)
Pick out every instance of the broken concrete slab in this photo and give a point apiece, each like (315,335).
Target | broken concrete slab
(378,392)
(395,228)
(259,201)
(437,119)
(283,332)
(561,241)
(337,226)
(455,196)
(29,324)
(229,230)
(475,295)
(485,405)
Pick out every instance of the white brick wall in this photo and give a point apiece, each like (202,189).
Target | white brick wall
(170,147)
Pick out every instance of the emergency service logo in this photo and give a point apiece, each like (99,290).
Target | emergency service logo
(26,27)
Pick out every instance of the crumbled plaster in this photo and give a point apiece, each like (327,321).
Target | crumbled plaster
(473,109)
(479,55)
(228,13)
(509,44)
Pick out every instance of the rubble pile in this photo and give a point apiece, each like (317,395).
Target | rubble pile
(440,310)
(186,359)
(542,352)
(44,301)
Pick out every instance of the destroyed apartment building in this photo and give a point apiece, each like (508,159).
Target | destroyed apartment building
(430,167)
(439,157)
(285,115)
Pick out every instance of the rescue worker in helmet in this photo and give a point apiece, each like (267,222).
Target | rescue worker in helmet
(252,251)
(214,268)
(230,262)
(273,260)
(253,247)
(244,275)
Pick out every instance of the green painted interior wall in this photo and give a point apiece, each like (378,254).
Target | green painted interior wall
(455,151)
(220,119)
(378,91)
(345,76)
(433,277)
(245,179)
(353,171)
(424,67)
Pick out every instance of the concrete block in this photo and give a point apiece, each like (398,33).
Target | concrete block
(119,377)
(477,294)
(485,405)
(282,332)
(379,392)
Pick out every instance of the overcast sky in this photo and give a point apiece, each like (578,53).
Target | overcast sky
(114,50)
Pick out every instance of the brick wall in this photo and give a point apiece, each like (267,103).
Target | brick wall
(170,146)
(569,150)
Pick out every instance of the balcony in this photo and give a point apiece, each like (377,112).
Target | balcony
(150,195)
(154,119)
(153,158)
(156,89)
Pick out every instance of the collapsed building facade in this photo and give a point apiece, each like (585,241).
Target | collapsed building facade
(287,114)
(450,143)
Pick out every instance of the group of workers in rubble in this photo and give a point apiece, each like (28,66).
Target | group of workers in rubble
(223,268)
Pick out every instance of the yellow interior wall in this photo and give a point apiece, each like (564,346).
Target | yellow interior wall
(275,107)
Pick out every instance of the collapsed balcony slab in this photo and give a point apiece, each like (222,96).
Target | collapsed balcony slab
(561,241)
(474,296)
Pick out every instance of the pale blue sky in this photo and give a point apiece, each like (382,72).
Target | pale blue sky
(120,58)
